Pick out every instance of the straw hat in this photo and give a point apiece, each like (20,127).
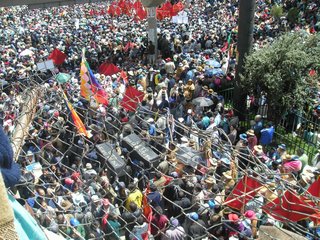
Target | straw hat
(250,132)
(227,174)
(65,204)
(210,180)
(258,149)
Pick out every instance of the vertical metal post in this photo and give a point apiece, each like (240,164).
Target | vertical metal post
(152,28)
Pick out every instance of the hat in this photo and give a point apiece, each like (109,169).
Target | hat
(180,119)
(282,146)
(205,88)
(174,174)
(194,216)
(168,59)
(216,154)
(227,174)
(210,91)
(180,65)
(29,154)
(184,139)
(287,157)
(151,69)
(233,217)
(258,149)
(68,181)
(95,198)
(210,180)
(250,132)
(211,204)
(174,222)
(88,166)
(225,160)
(105,202)
(74,222)
(250,214)
(65,204)
(243,136)
(189,111)
(150,120)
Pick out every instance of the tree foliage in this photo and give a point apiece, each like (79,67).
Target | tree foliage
(281,69)
(277,11)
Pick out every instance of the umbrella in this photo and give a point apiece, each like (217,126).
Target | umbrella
(213,72)
(63,77)
(26,52)
(202,102)
(213,63)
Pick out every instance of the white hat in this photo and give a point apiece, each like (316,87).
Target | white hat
(180,119)
(189,111)
(95,198)
(184,139)
(88,166)
(150,120)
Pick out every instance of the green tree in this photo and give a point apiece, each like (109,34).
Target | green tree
(281,69)
(277,11)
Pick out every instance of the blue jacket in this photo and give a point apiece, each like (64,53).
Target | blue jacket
(266,136)
(9,169)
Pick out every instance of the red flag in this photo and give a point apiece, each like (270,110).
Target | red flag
(137,5)
(289,207)
(123,75)
(314,188)
(141,13)
(177,8)
(147,212)
(111,10)
(57,56)
(108,69)
(131,99)
(243,192)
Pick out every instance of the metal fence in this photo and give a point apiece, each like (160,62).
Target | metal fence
(296,130)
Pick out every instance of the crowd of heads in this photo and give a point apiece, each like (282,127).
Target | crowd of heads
(67,183)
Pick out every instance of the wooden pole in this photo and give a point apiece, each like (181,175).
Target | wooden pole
(23,121)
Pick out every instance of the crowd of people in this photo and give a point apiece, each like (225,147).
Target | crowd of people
(67,184)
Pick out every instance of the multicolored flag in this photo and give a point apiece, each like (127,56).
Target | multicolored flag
(90,86)
(75,118)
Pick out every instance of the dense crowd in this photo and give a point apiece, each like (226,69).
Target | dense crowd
(66,183)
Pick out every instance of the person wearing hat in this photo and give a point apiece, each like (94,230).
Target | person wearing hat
(252,139)
(291,164)
(175,231)
(197,229)
(250,224)
(89,172)
(152,127)
(280,153)
(188,90)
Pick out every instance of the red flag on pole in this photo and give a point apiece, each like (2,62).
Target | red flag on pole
(314,188)
(131,99)
(243,192)
(289,207)
(57,56)
(108,69)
